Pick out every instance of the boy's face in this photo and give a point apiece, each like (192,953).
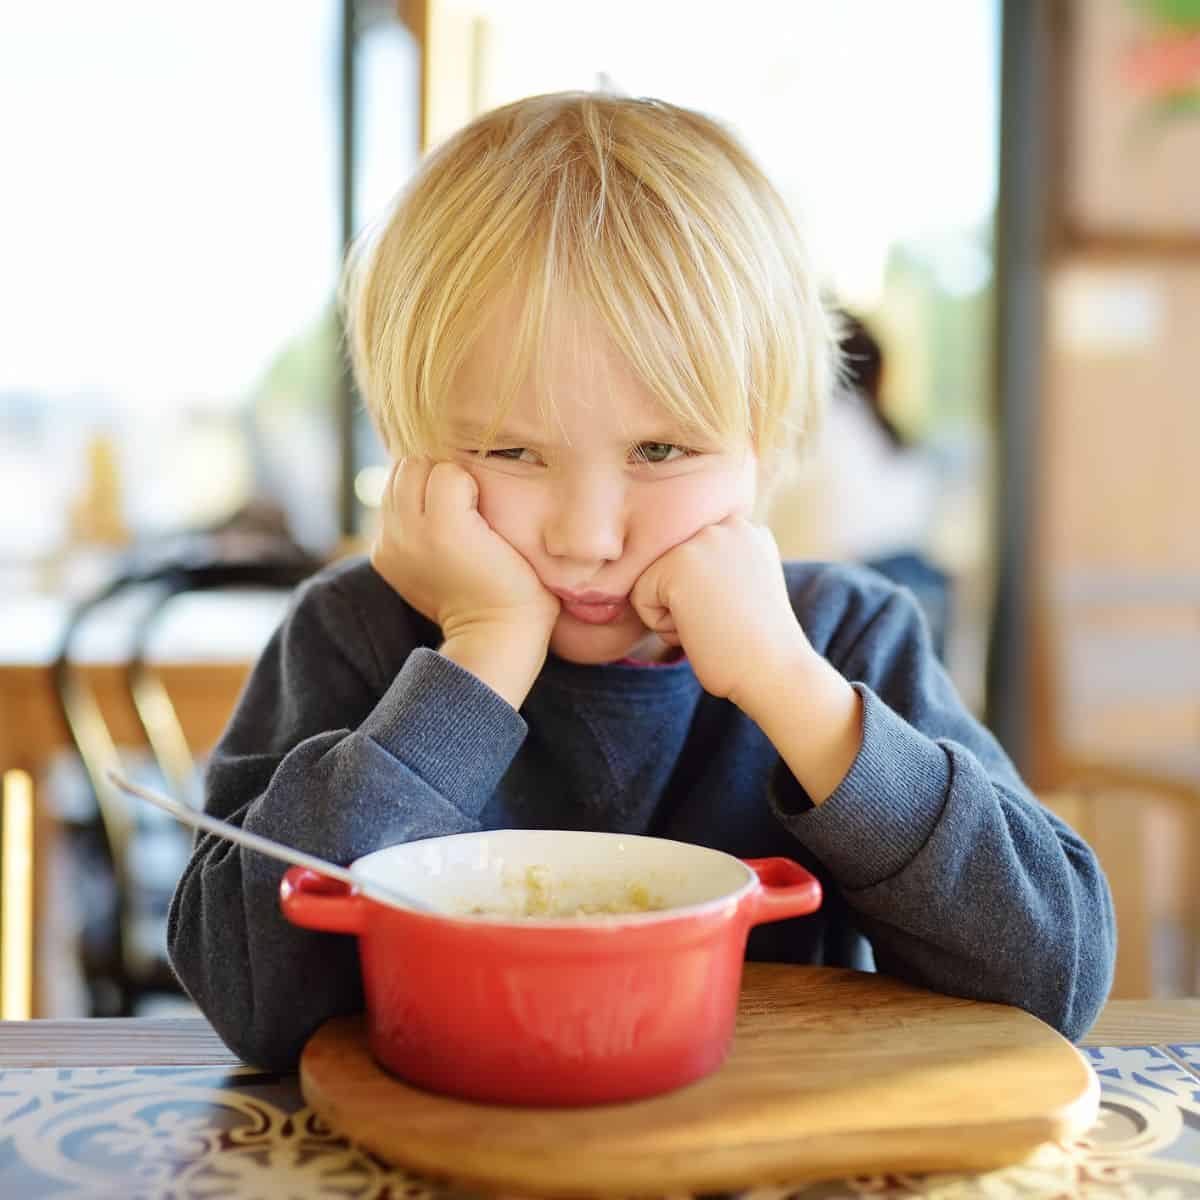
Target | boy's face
(599,492)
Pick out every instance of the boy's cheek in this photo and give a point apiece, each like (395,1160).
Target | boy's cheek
(707,498)
(744,489)
(486,503)
(680,523)
(508,514)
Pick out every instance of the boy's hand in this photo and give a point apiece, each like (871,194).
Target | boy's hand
(437,551)
(722,596)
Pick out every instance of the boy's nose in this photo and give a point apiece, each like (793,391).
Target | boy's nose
(586,522)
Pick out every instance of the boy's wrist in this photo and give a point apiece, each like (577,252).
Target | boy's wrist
(773,673)
(813,717)
(509,664)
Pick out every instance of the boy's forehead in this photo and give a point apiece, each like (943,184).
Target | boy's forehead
(576,347)
(579,382)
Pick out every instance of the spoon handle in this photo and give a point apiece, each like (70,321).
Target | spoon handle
(233,833)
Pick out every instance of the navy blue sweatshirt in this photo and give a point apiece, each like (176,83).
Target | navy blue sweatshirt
(939,867)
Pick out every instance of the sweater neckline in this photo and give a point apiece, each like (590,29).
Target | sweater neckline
(627,676)
(649,662)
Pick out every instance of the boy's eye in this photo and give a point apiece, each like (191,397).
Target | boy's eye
(660,452)
(516,454)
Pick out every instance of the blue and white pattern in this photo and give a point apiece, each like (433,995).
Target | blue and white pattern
(186,1133)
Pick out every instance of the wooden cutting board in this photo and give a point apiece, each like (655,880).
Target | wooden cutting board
(832,1072)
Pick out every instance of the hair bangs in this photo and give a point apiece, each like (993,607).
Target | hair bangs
(652,216)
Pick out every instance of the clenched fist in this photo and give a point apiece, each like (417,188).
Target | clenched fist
(437,551)
(721,595)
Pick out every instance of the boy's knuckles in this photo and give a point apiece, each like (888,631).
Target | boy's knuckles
(450,487)
(409,488)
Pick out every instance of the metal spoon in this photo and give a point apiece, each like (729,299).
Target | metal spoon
(267,846)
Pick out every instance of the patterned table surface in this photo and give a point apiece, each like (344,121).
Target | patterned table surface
(170,1132)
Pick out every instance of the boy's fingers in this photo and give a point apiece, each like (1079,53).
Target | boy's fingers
(644,596)
(449,490)
(651,611)
(408,490)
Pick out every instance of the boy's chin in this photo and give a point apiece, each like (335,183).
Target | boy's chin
(596,645)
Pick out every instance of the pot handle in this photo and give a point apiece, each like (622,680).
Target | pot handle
(788,890)
(314,901)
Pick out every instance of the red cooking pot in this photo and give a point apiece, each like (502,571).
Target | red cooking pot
(560,967)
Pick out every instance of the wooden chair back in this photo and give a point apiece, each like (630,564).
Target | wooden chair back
(1145,830)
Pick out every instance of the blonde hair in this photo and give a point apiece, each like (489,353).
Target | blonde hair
(653,213)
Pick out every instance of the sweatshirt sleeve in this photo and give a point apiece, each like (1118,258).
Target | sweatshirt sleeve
(335,753)
(963,882)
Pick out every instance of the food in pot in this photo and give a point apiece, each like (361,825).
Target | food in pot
(538,899)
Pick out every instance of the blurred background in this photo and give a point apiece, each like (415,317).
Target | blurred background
(1004,202)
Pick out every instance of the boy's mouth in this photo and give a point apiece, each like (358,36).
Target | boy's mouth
(592,608)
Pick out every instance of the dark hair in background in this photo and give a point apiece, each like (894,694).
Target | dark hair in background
(862,372)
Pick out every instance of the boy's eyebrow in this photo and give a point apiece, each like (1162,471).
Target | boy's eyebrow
(517,437)
(469,429)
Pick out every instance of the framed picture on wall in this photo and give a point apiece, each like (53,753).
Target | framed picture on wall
(1128,144)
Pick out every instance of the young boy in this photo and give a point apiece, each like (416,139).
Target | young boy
(589,337)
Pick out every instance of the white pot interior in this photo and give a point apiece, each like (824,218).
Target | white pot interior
(555,875)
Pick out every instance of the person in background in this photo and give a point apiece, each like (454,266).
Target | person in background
(879,491)
(590,338)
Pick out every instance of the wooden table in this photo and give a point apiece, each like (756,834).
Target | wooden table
(160,1108)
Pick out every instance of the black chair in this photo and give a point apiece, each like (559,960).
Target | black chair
(121,936)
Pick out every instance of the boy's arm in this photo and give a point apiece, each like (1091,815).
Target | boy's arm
(963,882)
(325,754)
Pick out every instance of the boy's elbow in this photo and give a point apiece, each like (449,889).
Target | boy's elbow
(230,1012)
(1069,958)
(1095,966)
(258,1042)
(1089,1005)
(1075,1019)
(1072,1008)
(222,992)
(266,1051)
